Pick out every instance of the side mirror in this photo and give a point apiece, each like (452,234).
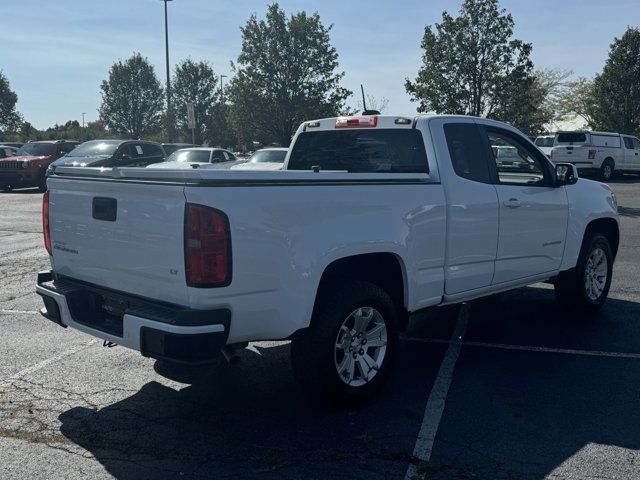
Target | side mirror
(566,174)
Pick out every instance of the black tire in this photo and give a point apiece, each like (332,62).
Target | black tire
(570,286)
(314,352)
(42,184)
(607,170)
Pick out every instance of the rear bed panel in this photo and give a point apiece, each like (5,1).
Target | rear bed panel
(141,252)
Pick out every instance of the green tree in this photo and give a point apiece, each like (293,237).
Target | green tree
(285,74)
(576,100)
(220,130)
(10,119)
(473,66)
(616,91)
(27,132)
(195,82)
(132,100)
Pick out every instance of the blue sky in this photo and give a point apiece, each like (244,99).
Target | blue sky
(56,53)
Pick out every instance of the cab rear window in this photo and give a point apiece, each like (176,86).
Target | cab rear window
(572,137)
(361,151)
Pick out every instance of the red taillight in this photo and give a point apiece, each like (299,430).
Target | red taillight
(45,222)
(356,122)
(207,247)
(592,154)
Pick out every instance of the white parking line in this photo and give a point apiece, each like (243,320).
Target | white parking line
(438,396)
(45,363)
(528,348)
(14,312)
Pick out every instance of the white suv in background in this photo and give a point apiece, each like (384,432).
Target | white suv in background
(545,143)
(600,152)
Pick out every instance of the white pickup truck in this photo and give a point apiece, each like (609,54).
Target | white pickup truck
(602,153)
(372,219)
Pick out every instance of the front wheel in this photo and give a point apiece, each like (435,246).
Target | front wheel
(585,287)
(348,351)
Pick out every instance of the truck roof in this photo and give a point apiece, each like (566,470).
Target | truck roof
(593,132)
(55,141)
(386,121)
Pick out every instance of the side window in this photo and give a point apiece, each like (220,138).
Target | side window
(151,150)
(136,150)
(218,156)
(468,152)
(516,161)
(636,144)
(628,142)
(65,148)
(124,151)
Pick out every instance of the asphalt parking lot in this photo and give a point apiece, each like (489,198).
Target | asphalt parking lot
(506,387)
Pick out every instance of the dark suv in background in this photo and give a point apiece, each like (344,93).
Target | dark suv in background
(29,165)
(112,153)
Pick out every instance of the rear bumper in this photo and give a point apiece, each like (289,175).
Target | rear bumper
(155,329)
(18,179)
(582,165)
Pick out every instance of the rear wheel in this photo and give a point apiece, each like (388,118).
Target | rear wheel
(347,353)
(585,287)
(607,170)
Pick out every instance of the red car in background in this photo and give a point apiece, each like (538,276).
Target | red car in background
(29,166)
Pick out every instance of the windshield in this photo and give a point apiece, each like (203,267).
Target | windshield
(268,156)
(572,137)
(544,141)
(186,155)
(36,149)
(95,148)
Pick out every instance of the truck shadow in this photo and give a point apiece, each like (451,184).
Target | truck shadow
(249,421)
(629,211)
(538,394)
(510,414)
(627,178)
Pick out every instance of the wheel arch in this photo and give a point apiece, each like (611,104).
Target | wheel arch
(607,227)
(384,269)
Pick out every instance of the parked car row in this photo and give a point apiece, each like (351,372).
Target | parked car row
(28,167)
(601,153)
(112,153)
(32,163)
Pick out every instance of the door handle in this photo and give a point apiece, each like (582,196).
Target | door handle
(512,203)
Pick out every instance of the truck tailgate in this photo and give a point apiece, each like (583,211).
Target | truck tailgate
(123,236)
(571,154)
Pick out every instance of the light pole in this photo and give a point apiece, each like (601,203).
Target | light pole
(221,90)
(83,114)
(166,44)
